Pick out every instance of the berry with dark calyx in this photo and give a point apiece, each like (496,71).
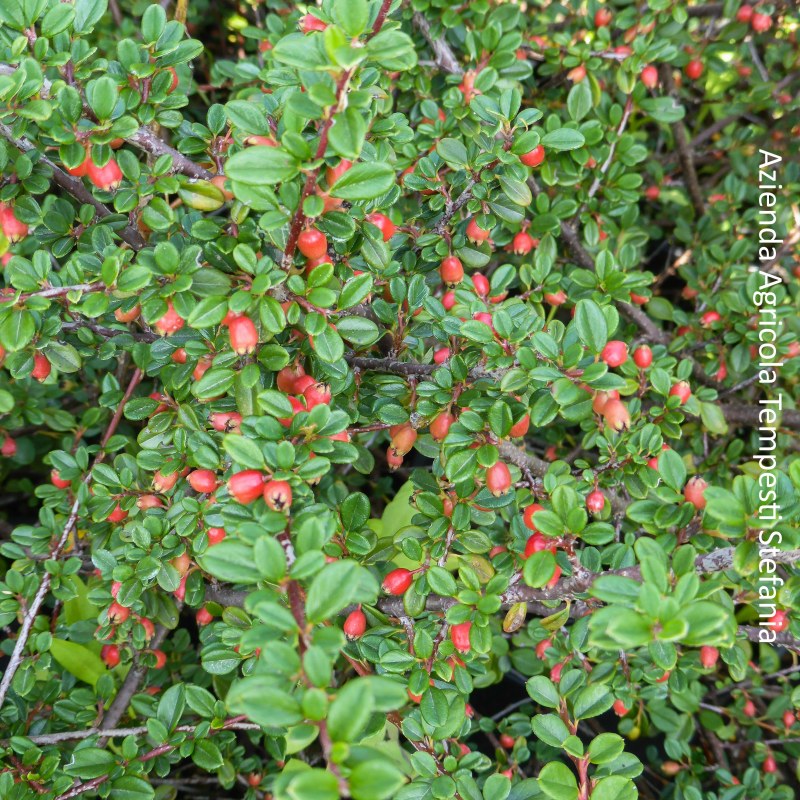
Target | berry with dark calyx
(708,656)
(226,421)
(650,76)
(317,394)
(170,322)
(393,460)
(534,158)
(643,357)
(386,226)
(475,233)
(41,367)
(397,581)
(681,390)
(203,481)
(117,613)
(694,492)
(355,625)
(615,353)
(480,283)
(203,617)
(312,243)
(107,177)
(595,502)
(246,486)
(616,415)
(498,479)
(451,270)
(694,69)
(278,495)
(459,635)
(110,655)
(243,335)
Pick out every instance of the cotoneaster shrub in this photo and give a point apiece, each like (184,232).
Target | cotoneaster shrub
(380,400)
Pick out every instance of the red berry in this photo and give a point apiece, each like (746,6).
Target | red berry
(643,357)
(41,367)
(451,270)
(779,621)
(109,176)
(556,298)
(507,741)
(393,460)
(681,390)
(694,492)
(745,13)
(203,481)
(481,284)
(161,659)
(522,243)
(243,335)
(537,542)
(170,322)
(215,535)
(204,616)
(287,377)
(387,227)
(789,719)
(441,355)
(180,592)
(448,300)
(117,613)
(58,481)
(441,425)
(770,765)
(460,636)
(527,515)
(403,438)
(650,76)
(709,318)
(312,243)
(542,648)
(81,170)
(760,22)
(117,514)
(146,501)
(12,228)
(149,628)
(397,581)
(317,394)
(602,17)
(595,502)
(498,479)
(749,708)
(534,158)
(163,483)
(174,83)
(332,174)
(110,655)
(694,69)
(620,709)
(520,428)
(708,656)
(475,232)
(246,486)
(616,415)
(355,624)
(278,495)
(615,353)
(308,23)
(225,421)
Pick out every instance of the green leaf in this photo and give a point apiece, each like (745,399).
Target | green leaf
(563,139)
(313,784)
(550,729)
(90,762)
(516,191)
(349,713)
(231,561)
(453,153)
(619,628)
(78,660)
(375,780)
(261,164)
(346,135)
(539,569)
(709,623)
(64,357)
(262,702)
(543,691)
(208,313)
(615,787)
(352,15)
(591,325)
(171,706)
(102,95)
(207,755)
(605,748)
(130,787)
(579,100)
(364,182)
(337,585)
(557,781)
(592,701)
(245,452)
(713,418)
(672,469)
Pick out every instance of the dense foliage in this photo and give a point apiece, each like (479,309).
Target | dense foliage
(360,358)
